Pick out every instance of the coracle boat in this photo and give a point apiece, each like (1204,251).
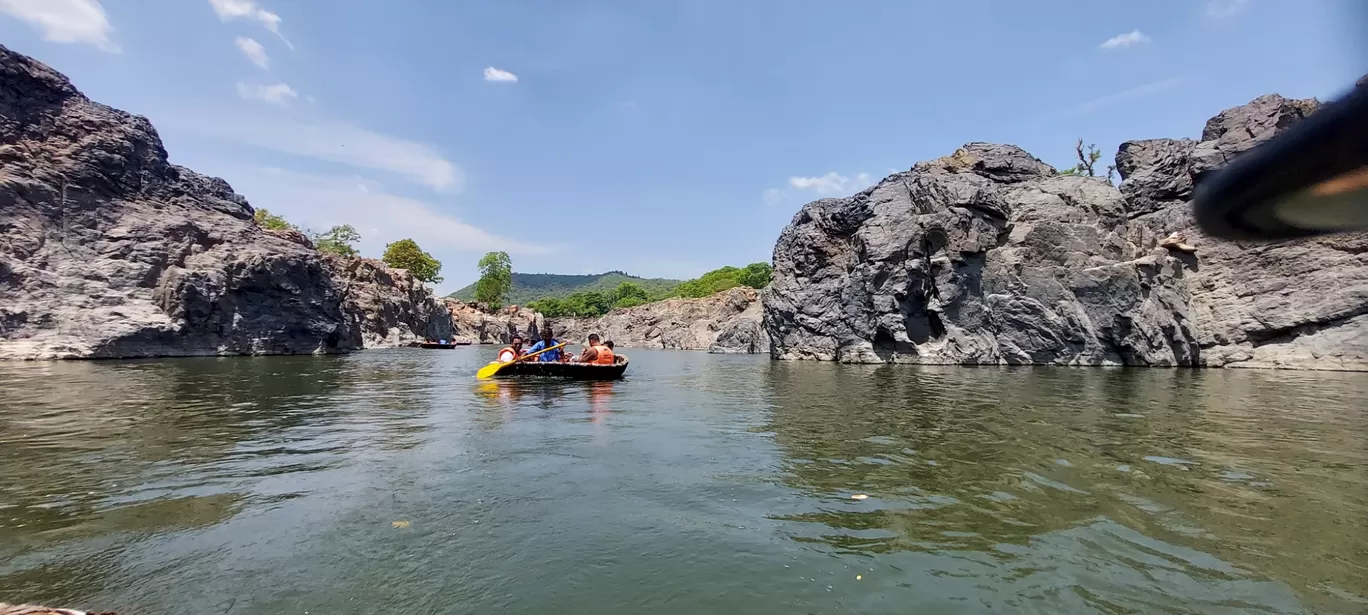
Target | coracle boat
(569,371)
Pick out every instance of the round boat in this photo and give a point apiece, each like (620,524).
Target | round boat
(570,371)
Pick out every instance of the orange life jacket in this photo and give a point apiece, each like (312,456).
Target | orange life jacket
(605,355)
(512,354)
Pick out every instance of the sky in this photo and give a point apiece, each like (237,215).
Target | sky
(664,138)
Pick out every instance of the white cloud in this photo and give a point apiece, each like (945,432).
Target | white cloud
(1111,100)
(254,51)
(279,94)
(1220,9)
(338,142)
(773,196)
(494,74)
(1134,37)
(831,183)
(321,201)
(228,10)
(64,21)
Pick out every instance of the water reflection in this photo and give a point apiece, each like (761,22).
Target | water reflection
(1261,469)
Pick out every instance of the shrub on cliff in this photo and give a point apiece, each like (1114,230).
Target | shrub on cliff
(405,254)
(496,279)
(338,240)
(755,275)
(267,220)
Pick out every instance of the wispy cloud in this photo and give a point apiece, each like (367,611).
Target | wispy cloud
(228,10)
(495,74)
(1134,37)
(831,183)
(321,201)
(255,53)
(64,21)
(337,142)
(1119,98)
(278,94)
(1220,9)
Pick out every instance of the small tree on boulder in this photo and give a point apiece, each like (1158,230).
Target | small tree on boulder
(405,254)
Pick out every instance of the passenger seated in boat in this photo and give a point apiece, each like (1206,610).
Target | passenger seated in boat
(513,351)
(547,341)
(609,344)
(596,353)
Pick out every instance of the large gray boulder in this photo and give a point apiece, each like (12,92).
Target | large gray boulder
(989,256)
(108,250)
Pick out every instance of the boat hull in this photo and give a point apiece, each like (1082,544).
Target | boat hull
(567,371)
(436,346)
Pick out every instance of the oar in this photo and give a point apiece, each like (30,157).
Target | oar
(494,367)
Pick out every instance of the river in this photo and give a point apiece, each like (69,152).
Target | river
(391,481)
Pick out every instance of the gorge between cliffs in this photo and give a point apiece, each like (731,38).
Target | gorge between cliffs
(987,256)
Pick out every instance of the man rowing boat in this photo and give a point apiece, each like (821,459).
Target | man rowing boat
(547,341)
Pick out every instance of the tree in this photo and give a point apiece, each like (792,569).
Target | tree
(1087,159)
(756,275)
(267,220)
(405,254)
(338,240)
(496,279)
(628,294)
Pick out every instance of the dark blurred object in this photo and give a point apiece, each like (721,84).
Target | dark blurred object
(1310,180)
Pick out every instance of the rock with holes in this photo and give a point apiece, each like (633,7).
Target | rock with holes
(108,250)
(989,256)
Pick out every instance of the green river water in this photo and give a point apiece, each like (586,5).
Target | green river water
(391,481)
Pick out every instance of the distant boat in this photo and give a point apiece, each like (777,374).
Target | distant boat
(443,346)
(569,371)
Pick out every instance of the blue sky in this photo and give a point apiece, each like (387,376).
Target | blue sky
(661,137)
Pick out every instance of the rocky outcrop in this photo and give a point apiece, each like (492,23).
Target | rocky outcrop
(989,256)
(388,306)
(727,322)
(108,250)
(473,323)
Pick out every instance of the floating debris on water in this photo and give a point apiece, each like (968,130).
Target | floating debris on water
(858,577)
(1063,462)
(399,524)
(859,496)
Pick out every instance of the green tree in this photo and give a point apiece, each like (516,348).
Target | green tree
(338,240)
(267,220)
(628,294)
(756,275)
(1087,161)
(496,279)
(405,254)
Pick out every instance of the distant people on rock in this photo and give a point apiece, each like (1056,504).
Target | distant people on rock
(513,351)
(547,340)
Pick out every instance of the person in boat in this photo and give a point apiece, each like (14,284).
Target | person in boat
(596,353)
(609,344)
(513,351)
(547,341)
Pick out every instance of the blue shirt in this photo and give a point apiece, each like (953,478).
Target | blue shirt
(546,357)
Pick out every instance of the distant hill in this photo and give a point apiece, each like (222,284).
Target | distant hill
(532,286)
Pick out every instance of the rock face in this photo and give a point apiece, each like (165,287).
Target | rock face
(388,306)
(727,322)
(989,256)
(472,323)
(108,250)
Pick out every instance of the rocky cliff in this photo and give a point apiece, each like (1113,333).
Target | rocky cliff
(727,322)
(473,323)
(990,256)
(108,250)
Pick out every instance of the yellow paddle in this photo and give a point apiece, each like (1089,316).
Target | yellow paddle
(494,367)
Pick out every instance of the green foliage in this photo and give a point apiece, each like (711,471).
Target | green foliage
(405,254)
(1087,161)
(755,275)
(338,240)
(529,287)
(628,294)
(496,279)
(267,220)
